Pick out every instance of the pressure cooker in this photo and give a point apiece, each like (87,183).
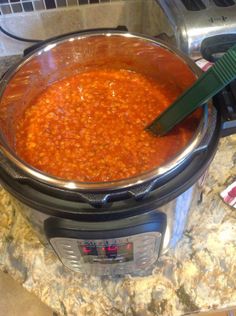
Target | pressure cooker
(118,227)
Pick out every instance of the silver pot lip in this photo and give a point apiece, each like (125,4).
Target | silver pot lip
(172,165)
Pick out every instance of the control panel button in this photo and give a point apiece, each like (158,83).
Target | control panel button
(89,250)
(111,251)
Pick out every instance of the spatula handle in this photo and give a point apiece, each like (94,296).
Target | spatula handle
(211,82)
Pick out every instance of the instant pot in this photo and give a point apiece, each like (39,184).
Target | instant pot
(119,227)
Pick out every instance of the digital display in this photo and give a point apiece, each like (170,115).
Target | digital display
(89,250)
(106,252)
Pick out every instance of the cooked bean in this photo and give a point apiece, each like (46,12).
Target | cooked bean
(90,127)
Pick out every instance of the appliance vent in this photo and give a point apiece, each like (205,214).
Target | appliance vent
(194,5)
(224,3)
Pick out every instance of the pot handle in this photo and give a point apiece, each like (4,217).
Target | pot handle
(214,46)
(43,42)
(225,102)
(7,169)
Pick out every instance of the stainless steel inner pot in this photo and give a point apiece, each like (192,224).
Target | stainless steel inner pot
(75,53)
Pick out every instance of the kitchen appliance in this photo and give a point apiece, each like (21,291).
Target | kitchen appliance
(197,21)
(109,228)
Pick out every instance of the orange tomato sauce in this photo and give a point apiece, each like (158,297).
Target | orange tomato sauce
(90,127)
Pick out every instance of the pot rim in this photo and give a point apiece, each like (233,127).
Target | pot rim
(144,177)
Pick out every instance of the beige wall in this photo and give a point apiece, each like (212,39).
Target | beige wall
(142,16)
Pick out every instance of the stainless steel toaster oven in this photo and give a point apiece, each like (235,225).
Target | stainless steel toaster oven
(198,24)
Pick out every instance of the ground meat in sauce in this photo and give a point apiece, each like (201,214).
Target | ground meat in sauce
(90,127)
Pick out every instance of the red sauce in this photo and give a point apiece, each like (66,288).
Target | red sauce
(90,127)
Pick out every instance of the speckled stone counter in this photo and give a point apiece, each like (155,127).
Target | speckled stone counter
(199,275)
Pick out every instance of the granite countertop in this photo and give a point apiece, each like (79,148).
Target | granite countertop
(199,275)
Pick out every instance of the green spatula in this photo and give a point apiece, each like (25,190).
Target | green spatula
(209,84)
